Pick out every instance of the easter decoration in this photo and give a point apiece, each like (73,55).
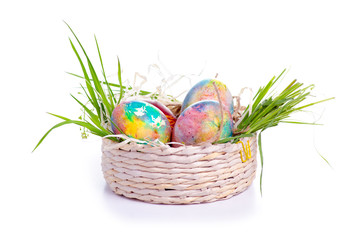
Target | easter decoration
(201,122)
(141,120)
(205,90)
(159,150)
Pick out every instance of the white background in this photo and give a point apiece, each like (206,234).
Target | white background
(58,192)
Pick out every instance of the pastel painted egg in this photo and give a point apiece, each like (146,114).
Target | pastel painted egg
(205,90)
(141,120)
(168,113)
(200,122)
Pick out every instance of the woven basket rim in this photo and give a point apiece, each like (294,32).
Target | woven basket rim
(168,146)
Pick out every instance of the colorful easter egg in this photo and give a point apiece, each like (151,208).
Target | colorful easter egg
(205,90)
(168,113)
(140,120)
(200,122)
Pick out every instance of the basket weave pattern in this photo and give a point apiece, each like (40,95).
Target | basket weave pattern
(182,175)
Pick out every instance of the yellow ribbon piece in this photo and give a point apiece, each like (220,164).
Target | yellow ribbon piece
(247,151)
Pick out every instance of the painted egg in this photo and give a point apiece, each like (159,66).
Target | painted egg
(141,120)
(168,113)
(205,90)
(200,122)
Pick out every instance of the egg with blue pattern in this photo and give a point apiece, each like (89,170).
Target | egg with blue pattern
(168,113)
(140,120)
(205,90)
(200,122)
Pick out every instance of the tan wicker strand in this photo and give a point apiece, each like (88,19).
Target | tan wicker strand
(181,183)
(178,175)
(162,163)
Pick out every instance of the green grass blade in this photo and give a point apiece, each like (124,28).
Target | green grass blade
(51,129)
(93,129)
(262,93)
(98,87)
(280,75)
(290,85)
(297,122)
(258,105)
(261,163)
(93,117)
(314,103)
(100,59)
(77,40)
(86,94)
(89,86)
(323,158)
(115,85)
(271,111)
(229,139)
(58,116)
(114,124)
(276,102)
(120,81)
(112,99)
(89,126)
(75,75)
(91,68)
(110,84)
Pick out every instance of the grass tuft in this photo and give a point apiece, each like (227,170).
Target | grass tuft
(99,93)
(269,109)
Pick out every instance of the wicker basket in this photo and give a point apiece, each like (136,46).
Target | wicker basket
(179,175)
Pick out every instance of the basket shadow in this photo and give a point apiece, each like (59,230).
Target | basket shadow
(241,206)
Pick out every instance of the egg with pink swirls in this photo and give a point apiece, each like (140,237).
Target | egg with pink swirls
(200,122)
(205,90)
